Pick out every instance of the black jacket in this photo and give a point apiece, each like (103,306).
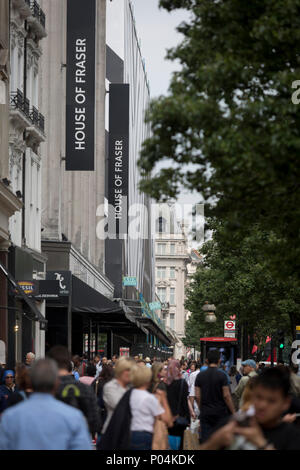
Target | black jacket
(177,394)
(117,435)
(82,397)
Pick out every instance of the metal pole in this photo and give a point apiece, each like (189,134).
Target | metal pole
(91,341)
(272,358)
(242,342)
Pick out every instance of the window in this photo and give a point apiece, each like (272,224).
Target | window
(161,225)
(172,272)
(161,292)
(172,321)
(161,272)
(172,296)
(161,248)
(172,249)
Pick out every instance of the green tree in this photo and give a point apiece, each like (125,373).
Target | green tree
(241,282)
(228,124)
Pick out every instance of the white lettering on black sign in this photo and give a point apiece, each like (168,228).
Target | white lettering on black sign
(80,94)
(118,179)
(80,85)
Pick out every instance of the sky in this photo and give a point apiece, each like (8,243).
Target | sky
(156,29)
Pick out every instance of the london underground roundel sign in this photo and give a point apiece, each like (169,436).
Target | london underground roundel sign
(229,325)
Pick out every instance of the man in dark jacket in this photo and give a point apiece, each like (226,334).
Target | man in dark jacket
(75,393)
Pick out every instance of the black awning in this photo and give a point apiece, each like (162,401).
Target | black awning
(85,299)
(134,306)
(31,304)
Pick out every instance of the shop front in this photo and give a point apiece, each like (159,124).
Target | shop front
(26,322)
(86,321)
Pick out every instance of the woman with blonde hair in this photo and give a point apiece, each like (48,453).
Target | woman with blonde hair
(157,377)
(145,409)
(114,390)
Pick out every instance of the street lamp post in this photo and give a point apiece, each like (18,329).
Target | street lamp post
(209,310)
(210,317)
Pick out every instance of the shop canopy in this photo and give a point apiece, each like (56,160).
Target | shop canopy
(30,303)
(86,300)
(112,315)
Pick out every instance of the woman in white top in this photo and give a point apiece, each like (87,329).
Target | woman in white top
(145,409)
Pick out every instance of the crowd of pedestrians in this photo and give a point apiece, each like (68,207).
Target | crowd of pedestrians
(66,402)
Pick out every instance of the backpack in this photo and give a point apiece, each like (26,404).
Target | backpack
(71,395)
(75,394)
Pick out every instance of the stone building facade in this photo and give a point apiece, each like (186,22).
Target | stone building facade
(172,256)
(23,131)
(9,202)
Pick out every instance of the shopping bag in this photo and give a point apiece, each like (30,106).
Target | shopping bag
(194,426)
(160,436)
(190,440)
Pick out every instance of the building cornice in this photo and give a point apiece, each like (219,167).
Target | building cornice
(9,203)
(37,255)
(56,246)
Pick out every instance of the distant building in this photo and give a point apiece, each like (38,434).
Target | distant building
(175,263)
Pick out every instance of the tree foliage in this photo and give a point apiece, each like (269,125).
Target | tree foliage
(241,282)
(228,124)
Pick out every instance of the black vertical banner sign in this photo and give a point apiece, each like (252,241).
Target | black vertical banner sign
(118,160)
(80,112)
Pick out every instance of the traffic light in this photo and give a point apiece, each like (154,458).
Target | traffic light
(281,339)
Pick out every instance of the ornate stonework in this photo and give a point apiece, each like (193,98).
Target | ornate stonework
(16,150)
(17,35)
(34,54)
(21,9)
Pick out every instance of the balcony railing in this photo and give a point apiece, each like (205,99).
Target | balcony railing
(34,115)
(37,12)
(18,101)
(41,122)
(37,119)
(42,18)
